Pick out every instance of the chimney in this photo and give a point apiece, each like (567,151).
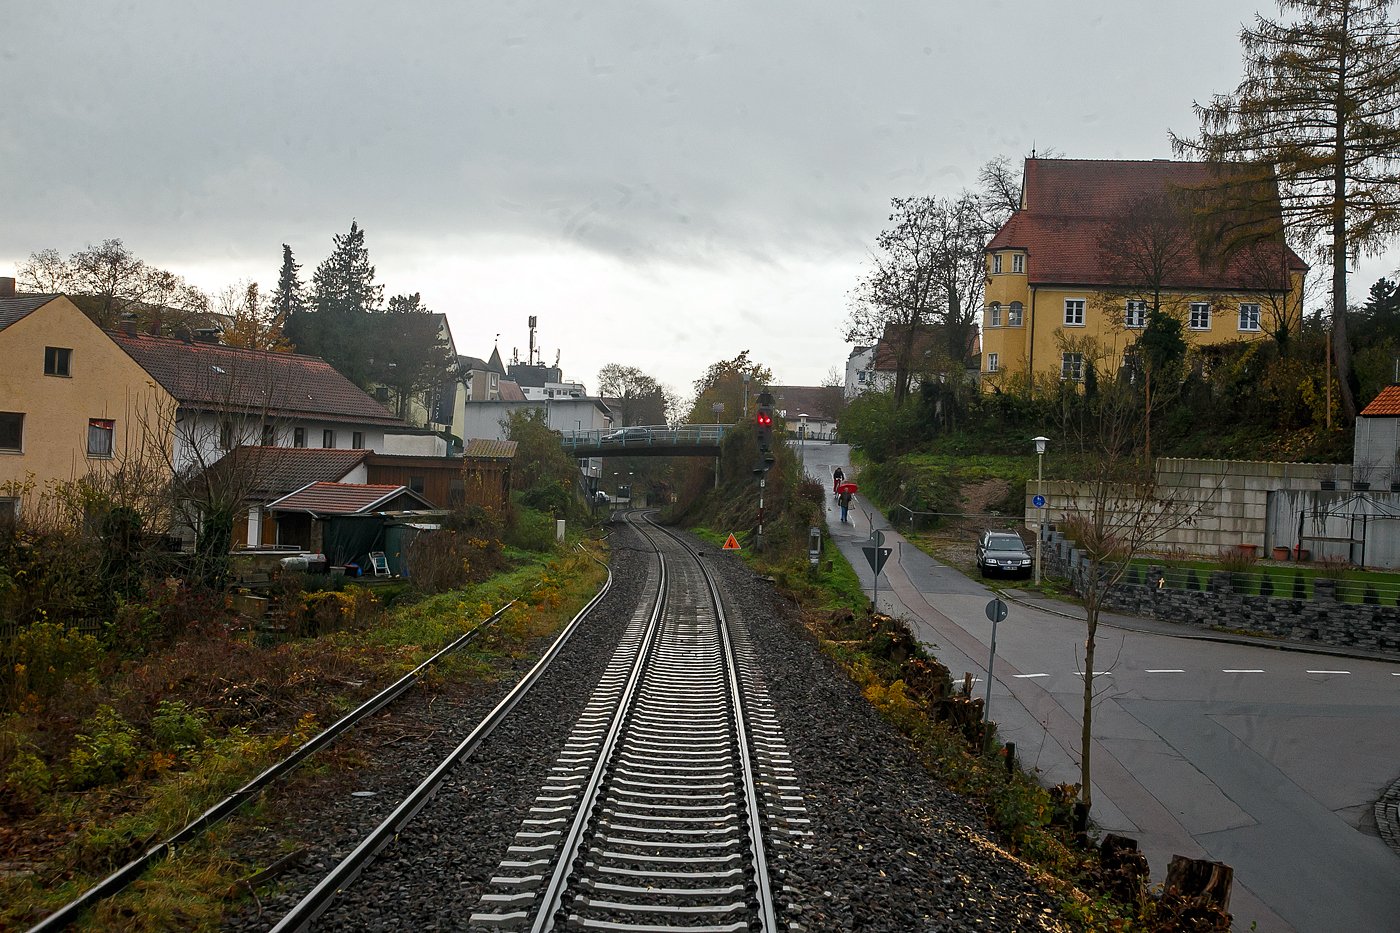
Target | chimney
(154,329)
(7,286)
(128,328)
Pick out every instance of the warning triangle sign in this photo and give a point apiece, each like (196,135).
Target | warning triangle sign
(731,544)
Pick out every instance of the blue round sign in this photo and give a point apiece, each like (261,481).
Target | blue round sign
(1038,502)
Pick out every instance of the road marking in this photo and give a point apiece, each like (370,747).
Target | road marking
(1030,675)
(1329,672)
(1096,673)
(1233,671)
(1164,670)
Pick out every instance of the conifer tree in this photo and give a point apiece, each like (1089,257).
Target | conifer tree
(336,325)
(1315,119)
(288,299)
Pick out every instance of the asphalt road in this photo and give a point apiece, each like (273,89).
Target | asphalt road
(1270,761)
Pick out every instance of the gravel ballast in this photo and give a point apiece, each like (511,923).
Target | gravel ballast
(891,849)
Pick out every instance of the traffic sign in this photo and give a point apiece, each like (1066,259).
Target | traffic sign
(877,557)
(1038,501)
(731,544)
(996,611)
(877,538)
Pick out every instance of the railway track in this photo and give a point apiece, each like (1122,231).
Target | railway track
(673,793)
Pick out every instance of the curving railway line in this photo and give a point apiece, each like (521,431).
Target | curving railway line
(661,809)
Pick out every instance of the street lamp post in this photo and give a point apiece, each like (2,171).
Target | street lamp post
(1040,443)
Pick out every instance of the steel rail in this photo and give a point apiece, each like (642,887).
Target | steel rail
(348,869)
(568,849)
(701,755)
(116,882)
(764,895)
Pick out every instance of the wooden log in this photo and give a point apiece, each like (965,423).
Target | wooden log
(1201,882)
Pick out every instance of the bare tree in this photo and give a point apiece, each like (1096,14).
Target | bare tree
(251,322)
(640,398)
(108,281)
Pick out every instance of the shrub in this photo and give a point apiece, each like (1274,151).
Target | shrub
(1333,568)
(552,497)
(533,531)
(106,751)
(1238,560)
(28,777)
(46,655)
(1300,590)
(177,727)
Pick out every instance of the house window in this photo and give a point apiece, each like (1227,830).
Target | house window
(991,362)
(1200,315)
(996,264)
(100,432)
(415,484)
(1018,263)
(1249,316)
(357,440)
(860,377)
(1072,366)
(58,361)
(1074,312)
(269,436)
(994,315)
(9,508)
(1013,315)
(328,438)
(299,437)
(12,431)
(1136,315)
(381,394)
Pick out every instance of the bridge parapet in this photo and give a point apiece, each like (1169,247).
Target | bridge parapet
(664,440)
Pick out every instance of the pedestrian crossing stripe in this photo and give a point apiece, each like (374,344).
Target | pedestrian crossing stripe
(731,544)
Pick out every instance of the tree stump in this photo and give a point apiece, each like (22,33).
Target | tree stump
(1197,895)
(1123,869)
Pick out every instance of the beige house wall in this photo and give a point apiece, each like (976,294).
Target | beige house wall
(105,383)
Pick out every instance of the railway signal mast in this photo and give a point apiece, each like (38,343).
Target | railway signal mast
(763,423)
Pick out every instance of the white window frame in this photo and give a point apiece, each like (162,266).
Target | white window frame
(1015,315)
(994,314)
(1018,263)
(1199,308)
(991,362)
(328,438)
(1072,367)
(1078,304)
(1249,314)
(1138,305)
(996,264)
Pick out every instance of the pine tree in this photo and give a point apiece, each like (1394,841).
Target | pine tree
(1316,118)
(335,327)
(288,299)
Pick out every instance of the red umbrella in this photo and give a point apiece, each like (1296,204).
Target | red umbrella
(851,488)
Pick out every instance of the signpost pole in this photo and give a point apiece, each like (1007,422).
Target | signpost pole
(875,599)
(996,612)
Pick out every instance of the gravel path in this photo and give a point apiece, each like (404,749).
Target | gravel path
(892,850)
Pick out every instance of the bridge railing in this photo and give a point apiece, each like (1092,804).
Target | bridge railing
(659,435)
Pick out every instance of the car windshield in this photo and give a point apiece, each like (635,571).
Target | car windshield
(1004,544)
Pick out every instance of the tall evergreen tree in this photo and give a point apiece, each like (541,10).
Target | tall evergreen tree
(343,293)
(288,299)
(1316,118)
(410,354)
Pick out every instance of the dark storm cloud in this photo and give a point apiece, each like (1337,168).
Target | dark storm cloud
(645,130)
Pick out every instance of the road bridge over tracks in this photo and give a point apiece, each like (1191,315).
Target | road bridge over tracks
(675,440)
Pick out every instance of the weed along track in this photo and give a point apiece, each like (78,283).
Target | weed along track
(653,817)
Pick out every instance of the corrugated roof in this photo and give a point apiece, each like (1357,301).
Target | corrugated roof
(1070,203)
(485,448)
(349,498)
(276,471)
(219,377)
(16,309)
(1385,405)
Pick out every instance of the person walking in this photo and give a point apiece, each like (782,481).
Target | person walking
(845,500)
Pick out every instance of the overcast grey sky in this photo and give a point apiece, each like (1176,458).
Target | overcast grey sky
(664,184)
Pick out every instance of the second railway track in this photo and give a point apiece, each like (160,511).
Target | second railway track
(661,811)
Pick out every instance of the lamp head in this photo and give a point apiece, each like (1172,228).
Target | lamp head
(1040,443)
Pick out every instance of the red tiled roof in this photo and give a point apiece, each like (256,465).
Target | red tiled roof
(510,391)
(349,498)
(818,403)
(929,343)
(1069,203)
(1385,405)
(276,471)
(215,376)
